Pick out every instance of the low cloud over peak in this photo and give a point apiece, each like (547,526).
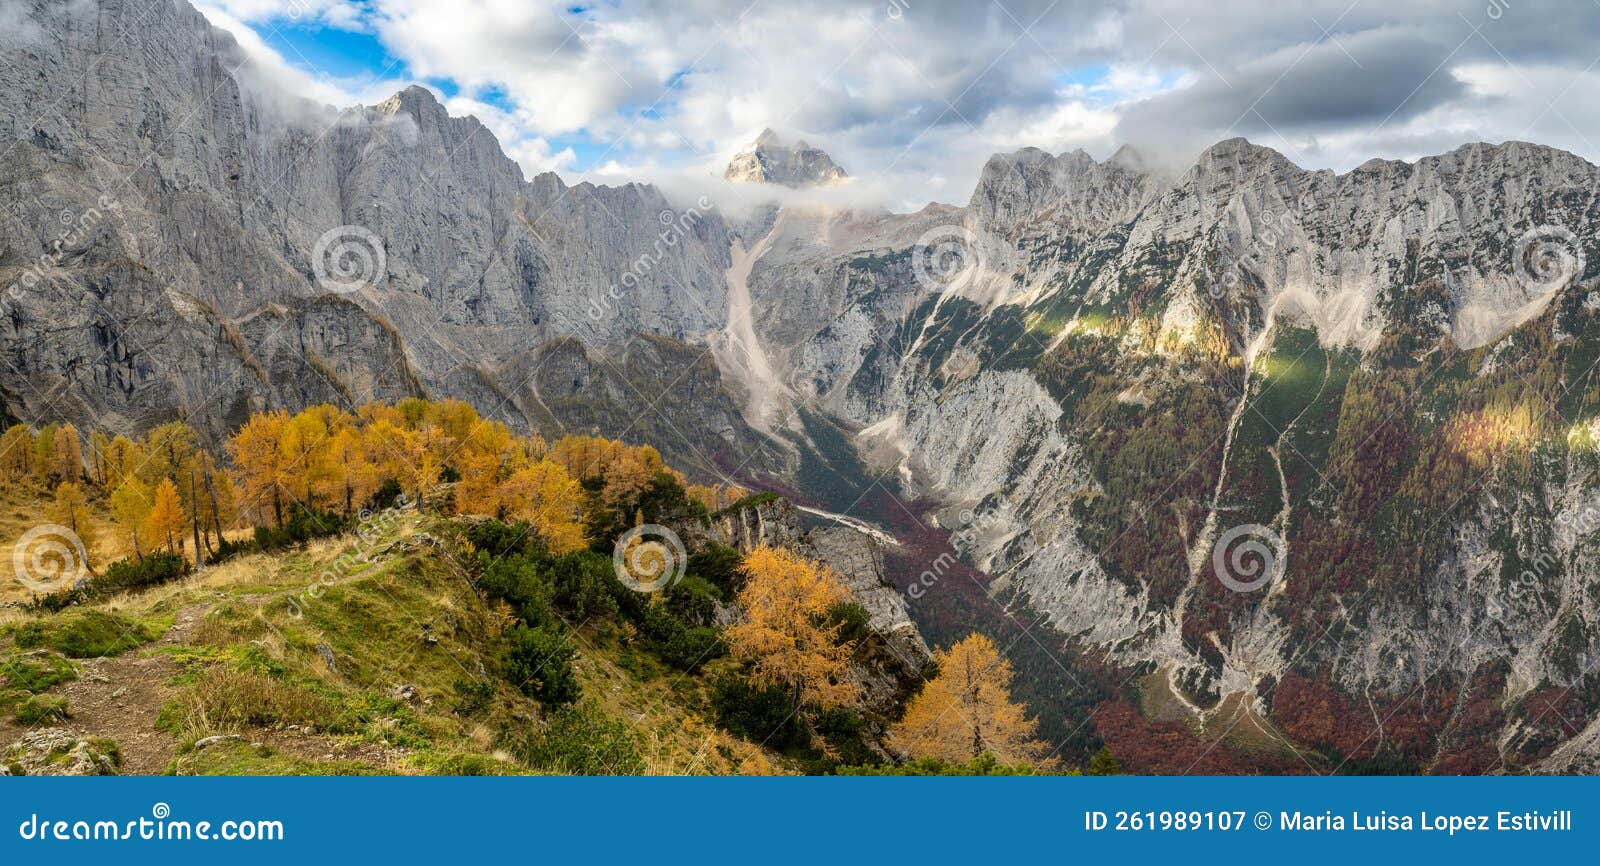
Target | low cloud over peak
(914,96)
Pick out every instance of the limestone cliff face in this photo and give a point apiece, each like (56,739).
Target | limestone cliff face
(1266,304)
(178,232)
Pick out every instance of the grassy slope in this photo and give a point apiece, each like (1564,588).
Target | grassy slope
(309,687)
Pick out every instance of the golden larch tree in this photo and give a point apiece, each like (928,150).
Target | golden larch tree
(482,460)
(71,509)
(786,630)
(353,477)
(130,508)
(258,462)
(967,710)
(44,449)
(123,459)
(305,456)
(165,522)
(99,447)
(66,461)
(167,448)
(16,453)
(546,496)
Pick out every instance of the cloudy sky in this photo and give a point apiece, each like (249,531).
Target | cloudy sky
(911,96)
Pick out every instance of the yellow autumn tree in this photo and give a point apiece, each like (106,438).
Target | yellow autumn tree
(786,631)
(546,496)
(258,461)
(66,459)
(123,458)
(305,455)
(457,420)
(16,453)
(483,457)
(716,497)
(353,477)
(130,508)
(424,461)
(413,457)
(99,447)
(165,522)
(211,506)
(166,449)
(44,449)
(966,710)
(71,509)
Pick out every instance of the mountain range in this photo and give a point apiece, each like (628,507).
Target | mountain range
(1298,465)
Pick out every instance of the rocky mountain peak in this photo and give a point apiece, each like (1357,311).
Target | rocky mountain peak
(1132,159)
(415,100)
(769,160)
(1071,188)
(1239,156)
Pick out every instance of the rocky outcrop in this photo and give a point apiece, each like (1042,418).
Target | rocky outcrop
(858,561)
(890,663)
(59,752)
(763,521)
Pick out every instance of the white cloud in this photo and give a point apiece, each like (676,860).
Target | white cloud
(912,97)
(533,153)
(280,84)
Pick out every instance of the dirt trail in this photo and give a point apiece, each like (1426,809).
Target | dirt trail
(121,696)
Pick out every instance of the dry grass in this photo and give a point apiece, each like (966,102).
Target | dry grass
(25,506)
(224,700)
